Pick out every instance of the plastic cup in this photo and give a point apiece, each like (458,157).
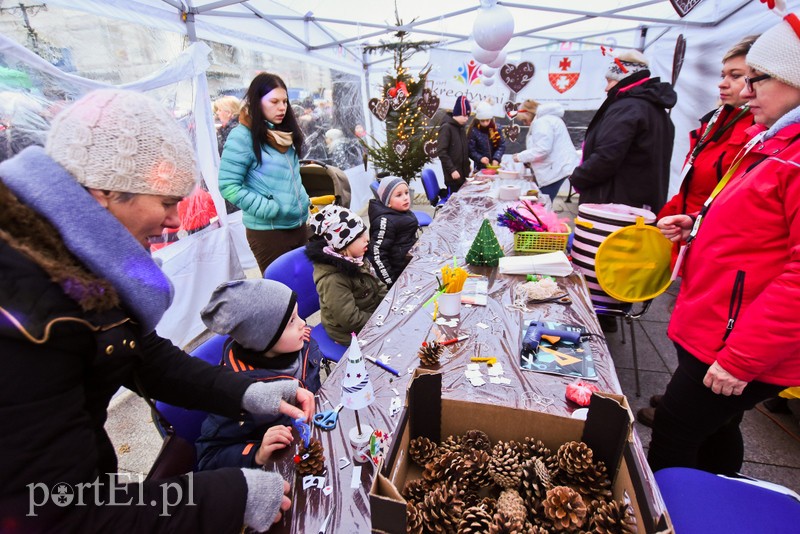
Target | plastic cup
(450,304)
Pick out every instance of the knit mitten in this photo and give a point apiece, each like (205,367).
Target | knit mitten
(265,398)
(264,495)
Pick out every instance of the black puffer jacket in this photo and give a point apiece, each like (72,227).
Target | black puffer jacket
(392,233)
(61,366)
(628,147)
(453,152)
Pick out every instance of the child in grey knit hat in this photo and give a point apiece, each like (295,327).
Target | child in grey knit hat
(268,342)
(393,229)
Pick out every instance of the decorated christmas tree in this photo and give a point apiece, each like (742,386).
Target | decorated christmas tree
(406,106)
(485,250)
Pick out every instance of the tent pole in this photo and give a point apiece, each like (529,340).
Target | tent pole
(642,38)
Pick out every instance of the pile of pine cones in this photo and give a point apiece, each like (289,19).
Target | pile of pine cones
(469,486)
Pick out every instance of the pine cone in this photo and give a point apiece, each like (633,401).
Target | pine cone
(441,509)
(476,520)
(533,448)
(448,467)
(415,490)
(505,464)
(422,450)
(512,505)
(505,524)
(451,444)
(592,484)
(476,439)
(614,517)
(574,458)
(534,483)
(489,504)
(413,519)
(314,461)
(538,529)
(565,508)
(430,353)
(476,468)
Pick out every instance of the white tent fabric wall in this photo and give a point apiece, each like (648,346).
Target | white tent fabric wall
(698,79)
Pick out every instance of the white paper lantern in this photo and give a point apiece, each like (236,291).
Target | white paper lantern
(499,61)
(488,82)
(481,55)
(488,71)
(493,27)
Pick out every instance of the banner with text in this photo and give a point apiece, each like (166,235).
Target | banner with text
(576,79)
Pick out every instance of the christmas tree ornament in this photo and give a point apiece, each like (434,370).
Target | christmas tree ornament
(510,109)
(487,81)
(400,147)
(431,148)
(493,26)
(488,71)
(429,103)
(310,460)
(396,97)
(564,507)
(379,108)
(511,132)
(430,353)
(516,77)
(485,249)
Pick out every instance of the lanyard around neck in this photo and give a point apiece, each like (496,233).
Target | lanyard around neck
(722,183)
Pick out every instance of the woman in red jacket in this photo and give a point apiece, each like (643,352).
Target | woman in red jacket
(735,323)
(720,136)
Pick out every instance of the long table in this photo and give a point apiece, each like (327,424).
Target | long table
(400,325)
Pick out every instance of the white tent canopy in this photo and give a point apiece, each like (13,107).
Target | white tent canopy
(333,35)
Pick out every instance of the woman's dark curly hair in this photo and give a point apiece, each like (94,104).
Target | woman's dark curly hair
(260,86)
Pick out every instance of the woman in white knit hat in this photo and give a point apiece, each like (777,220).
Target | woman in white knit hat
(735,323)
(80,298)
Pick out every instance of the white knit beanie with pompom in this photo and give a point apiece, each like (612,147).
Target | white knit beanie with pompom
(119,140)
(777,52)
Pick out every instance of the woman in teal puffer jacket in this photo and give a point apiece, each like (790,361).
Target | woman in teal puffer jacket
(260,171)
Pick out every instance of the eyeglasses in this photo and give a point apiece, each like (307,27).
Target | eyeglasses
(748,82)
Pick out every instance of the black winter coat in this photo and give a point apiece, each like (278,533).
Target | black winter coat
(392,233)
(480,146)
(453,152)
(61,366)
(628,147)
(226,442)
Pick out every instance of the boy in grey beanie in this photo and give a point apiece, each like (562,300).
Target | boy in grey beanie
(268,342)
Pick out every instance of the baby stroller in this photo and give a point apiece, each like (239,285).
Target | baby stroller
(325,184)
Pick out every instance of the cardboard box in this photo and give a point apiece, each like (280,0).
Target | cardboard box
(607,431)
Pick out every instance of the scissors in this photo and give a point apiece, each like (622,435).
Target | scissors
(327,420)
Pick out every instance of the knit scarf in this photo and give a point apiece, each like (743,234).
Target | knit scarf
(280,141)
(91,233)
(494,135)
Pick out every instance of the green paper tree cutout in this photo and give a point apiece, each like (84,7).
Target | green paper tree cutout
(486,249)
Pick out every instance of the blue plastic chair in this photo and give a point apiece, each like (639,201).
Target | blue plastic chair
(187,423)
(423,219)
(701,502)
(296,271)
(432,191)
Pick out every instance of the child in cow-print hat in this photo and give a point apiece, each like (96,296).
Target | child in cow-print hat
(348,289)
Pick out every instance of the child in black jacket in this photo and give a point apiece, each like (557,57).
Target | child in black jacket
(392,229)
(268,341)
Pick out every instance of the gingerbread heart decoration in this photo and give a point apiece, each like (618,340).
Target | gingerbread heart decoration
(511,109)
(517,76)
(429,104)
(431,148)
(400,147)
(398,99)
(379,108)
(511,132)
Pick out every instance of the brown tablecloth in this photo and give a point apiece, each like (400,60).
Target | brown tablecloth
(398,328)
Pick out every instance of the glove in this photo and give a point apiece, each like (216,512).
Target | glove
(264,497)
(265,398)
